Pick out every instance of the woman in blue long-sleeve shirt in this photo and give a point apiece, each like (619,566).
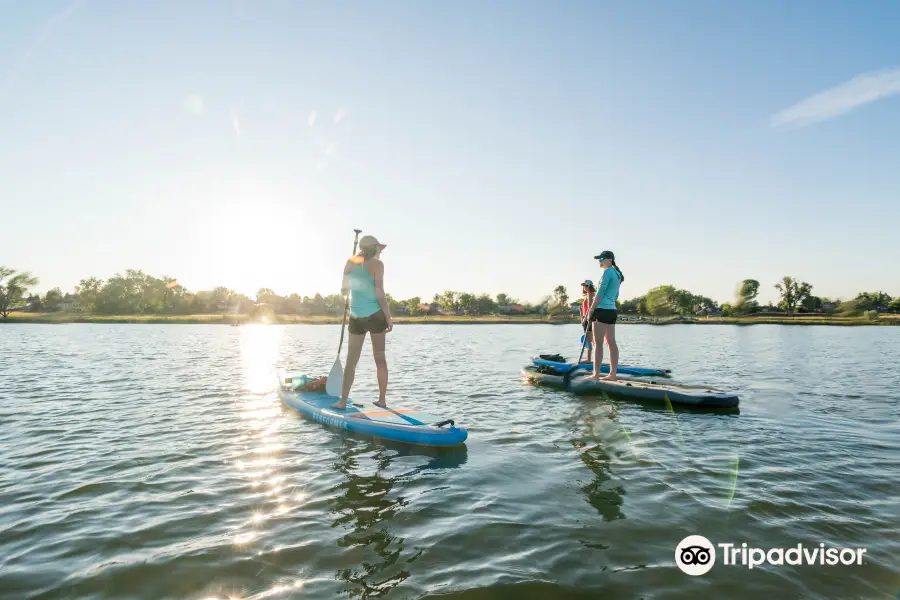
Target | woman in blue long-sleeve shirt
(603,315)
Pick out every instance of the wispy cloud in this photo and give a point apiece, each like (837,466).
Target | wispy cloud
(236,123)
(339,115)
(312,118)
(859,91)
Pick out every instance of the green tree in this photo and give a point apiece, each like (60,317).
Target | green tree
(412,305)
(52,298)
(633,305)
(747,292)
(561,297)
(318,305)
(683,302)
(811,304)
(334,304)
(13,287)
(504,299)
(793,292)
(872,301)
(642,306)
(88,290)
(466,303)
(267,296)
(34,303)
(449,301)
(661,300)
(485,304)
(702,303)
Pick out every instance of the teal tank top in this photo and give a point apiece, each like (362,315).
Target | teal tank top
(363,302)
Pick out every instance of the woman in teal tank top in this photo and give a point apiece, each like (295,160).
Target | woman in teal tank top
(369,313)
(603,315)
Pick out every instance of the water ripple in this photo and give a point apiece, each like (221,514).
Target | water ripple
(145,461)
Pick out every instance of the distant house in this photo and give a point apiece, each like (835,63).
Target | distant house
(576,308)
(400,309)
(430,309)
(515,309)
(69,304)
(829,306)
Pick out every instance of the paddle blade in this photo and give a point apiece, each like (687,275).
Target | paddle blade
(335,382)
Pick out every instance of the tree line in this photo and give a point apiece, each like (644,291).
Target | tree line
(795,296)
(136,293)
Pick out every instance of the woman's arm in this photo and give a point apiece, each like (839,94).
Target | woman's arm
(378,273)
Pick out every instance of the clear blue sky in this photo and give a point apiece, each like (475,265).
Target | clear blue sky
(494,146)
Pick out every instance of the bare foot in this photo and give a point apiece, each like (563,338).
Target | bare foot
(594,377)
(610,377)
(340,405)
(381,403)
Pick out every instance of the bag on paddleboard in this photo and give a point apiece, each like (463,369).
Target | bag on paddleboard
(306,384)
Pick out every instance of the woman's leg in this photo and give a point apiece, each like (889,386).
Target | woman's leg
(380,367)
(599,332)
(613,352)
(354,349)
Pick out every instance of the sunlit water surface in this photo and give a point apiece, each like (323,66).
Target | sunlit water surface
(143,461)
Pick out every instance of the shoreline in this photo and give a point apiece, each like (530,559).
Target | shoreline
(218,319)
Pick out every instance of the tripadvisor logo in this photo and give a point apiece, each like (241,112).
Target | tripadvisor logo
(696,555)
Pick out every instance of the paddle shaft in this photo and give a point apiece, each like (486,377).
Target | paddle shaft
(347,296)
(584,344)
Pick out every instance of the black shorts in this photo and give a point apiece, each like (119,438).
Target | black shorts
(604,315)
(375,323)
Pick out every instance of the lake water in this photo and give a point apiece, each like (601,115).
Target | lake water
(145,461)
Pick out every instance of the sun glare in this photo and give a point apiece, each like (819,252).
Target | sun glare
(254,243)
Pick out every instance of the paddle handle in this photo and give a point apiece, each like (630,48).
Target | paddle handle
(356,233)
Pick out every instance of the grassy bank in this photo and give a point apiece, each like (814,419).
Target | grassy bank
(60,318)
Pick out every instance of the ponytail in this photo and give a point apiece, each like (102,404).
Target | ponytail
(616,267)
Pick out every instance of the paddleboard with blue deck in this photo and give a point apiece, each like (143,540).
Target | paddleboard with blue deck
(635,389)
(563,367)
(410,426)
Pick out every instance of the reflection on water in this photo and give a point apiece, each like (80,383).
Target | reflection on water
(598,428)
(261,456)
(164,466)
(365,507)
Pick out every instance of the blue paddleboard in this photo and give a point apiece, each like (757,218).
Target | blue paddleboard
(398,424)
(563,368)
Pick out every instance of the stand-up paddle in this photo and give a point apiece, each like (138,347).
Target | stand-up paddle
(335,383)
